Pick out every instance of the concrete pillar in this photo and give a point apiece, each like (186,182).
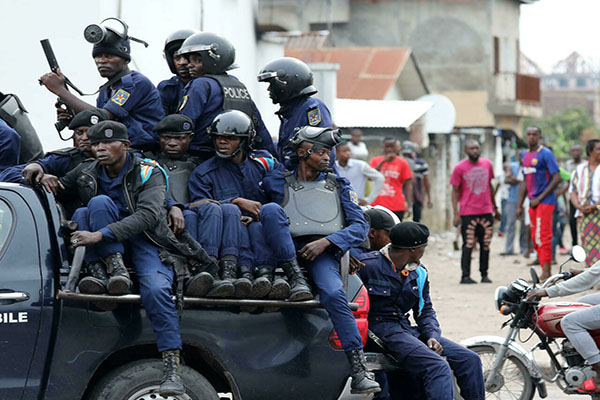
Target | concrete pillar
(325,75)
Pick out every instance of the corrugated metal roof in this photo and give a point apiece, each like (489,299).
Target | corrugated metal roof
(378,113)
(365,72)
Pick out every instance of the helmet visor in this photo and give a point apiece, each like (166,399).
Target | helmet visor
(193,49)
(266,76)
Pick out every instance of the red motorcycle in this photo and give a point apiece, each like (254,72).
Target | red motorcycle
(510,371)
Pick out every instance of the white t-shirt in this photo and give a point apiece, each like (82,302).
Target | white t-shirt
(357,172)
(359,150)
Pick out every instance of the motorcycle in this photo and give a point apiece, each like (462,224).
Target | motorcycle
(510,371)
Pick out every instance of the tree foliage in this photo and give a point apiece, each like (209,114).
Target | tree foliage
(561,131)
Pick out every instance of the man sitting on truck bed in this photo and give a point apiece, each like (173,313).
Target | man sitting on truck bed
(125,217)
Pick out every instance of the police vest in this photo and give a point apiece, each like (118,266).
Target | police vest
(75,155)
(179,172)
(313,208)
(236,97)
(14,114)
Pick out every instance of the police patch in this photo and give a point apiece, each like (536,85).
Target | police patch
(186,126)
(183,103)
(120,97)
(108,133)
(353,197)
(93,119)
(314,117)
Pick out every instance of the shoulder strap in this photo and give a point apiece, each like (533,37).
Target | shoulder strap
(331,182)
(146,167)
(421,279)
(291,181)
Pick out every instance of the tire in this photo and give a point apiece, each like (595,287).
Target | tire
(140,380)
(516,381)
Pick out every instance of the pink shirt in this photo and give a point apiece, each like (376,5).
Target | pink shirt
(473,182)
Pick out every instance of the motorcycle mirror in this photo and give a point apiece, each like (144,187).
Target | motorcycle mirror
(534,276)
(578,254)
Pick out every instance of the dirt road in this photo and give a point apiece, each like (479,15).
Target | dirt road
(468,310)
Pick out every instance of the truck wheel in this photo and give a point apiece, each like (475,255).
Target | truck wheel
(140,380)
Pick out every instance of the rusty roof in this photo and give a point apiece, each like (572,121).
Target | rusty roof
(365,72)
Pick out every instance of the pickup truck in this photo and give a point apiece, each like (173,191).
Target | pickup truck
(58,344)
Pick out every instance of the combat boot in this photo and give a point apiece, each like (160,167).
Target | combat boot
(119,282)
(243,283)
(261,286)
(224,286)
(363,381)
(280,289)
(299,288)
(96,282)
(199,284)
(172,382)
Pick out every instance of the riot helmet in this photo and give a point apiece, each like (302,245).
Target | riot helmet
(218,54)
(111,36)
(321,138)
(232,123)
(173,43)
(288,78)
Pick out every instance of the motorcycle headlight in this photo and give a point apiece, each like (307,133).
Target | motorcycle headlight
(499,296)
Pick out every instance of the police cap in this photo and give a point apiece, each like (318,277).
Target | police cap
(379,219)
(409,235)
(88,117)
(174,123)
(107,131)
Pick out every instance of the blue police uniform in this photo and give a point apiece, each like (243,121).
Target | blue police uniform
(223,180)
(392,297)
(171,93)
(299,112)
(136,103)
(325,269)
(155,278)
(10,146)
(202,101)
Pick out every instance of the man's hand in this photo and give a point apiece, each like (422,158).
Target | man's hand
(389,157)
(253,207)
(354,265)
(32,173)
(362,202)
(51,183)
(313,249)
(85,238)
(246,220)
(497,215)
(429,203)
(203,201)
(519,212)
(176,220)
(456,221)
(588,208)
(534,203)
(54,81)
(61,112)
(434,345)
(536,293)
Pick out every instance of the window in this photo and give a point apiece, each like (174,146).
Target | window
(6,224)
(563,82)
(581,82)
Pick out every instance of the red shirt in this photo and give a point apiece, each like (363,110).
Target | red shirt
(473,183)
(396,173)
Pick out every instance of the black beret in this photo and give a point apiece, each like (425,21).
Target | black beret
(409,235)
(379,219)
(88,117)
(174,123)
(107,131)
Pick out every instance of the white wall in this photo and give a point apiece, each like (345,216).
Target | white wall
(24,23)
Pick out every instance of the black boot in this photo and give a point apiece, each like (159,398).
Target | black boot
(261,286)
(280,289)
(119,282)
(224,286)
(96,282)
(363,381)
(299,288)
(243,283)
(199,284)
(172,383)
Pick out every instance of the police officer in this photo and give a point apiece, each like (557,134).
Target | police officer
(125,219)
(171,90)
(397,283)
(325,221)
(128,96)
(212,90)
(10,146)
(291,86)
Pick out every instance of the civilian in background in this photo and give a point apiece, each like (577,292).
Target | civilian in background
(421,186)
(576,152)
(513,181)
(358,148)
(357,172)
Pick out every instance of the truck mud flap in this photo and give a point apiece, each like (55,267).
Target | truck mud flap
(197,301)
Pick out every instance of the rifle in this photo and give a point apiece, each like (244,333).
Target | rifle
(60,124)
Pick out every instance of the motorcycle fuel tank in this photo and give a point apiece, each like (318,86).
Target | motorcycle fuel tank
(548,316)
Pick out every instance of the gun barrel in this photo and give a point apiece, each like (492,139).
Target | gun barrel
(49,54)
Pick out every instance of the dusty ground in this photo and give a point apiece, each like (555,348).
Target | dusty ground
(468,310)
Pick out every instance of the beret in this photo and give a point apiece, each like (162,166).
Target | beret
(409,235)
(174,123)
(107,131)
(88,117)
(379,219)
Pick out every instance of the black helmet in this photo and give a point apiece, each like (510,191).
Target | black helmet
(320,137)
(233,123)
(218,54)
(173,43)
(288,78)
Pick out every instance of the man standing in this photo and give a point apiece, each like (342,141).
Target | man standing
(541,178)
(512,180)
(474,208)
(421,186)
(576,153)
(357,172)
(358,148)
(585,197)
(397,193)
